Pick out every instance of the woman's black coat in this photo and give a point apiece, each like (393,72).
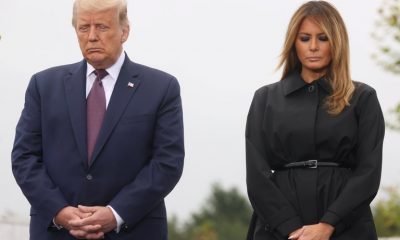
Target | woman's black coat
(288,122)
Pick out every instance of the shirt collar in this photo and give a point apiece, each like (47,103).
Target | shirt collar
(113,71)
(293,82)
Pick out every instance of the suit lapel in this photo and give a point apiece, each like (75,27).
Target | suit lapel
(75,89)
(124,88)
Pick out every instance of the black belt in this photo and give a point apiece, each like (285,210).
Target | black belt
(310,164)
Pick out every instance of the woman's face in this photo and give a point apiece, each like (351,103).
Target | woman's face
(313,50)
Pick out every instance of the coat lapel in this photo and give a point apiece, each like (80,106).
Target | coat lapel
(75,91)
(124,88)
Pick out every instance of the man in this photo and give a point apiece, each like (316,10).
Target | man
(99,143)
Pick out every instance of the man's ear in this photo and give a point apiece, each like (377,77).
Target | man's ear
(125,33)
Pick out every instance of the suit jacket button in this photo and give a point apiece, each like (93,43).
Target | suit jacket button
(89,177)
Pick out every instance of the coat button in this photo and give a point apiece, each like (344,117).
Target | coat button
(267,228)
(311,88)
(89,177)
(125,228)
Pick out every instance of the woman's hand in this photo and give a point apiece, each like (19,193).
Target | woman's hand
(296,234)
(320,231)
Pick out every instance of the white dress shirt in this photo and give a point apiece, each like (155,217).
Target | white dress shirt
(108,81)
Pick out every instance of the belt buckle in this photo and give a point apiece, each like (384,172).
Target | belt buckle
(311,164)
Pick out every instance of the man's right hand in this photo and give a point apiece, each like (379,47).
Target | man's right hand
(68,214)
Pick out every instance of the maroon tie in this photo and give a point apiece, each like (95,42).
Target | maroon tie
(96,108)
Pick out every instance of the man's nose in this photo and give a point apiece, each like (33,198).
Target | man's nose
(93,36)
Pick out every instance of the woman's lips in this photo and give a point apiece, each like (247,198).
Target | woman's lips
(313,59)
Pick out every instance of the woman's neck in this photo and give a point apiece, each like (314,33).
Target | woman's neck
(310,76)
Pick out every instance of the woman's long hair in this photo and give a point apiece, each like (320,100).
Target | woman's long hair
(338,73)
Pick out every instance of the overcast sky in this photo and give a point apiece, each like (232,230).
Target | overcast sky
(221,51)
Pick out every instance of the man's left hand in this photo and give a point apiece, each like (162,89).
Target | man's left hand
(102,216)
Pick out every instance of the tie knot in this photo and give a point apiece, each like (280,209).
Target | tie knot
(100,74)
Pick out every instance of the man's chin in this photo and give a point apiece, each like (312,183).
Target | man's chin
(96,61)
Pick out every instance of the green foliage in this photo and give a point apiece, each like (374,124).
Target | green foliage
(387,214)
(174,231)
(225,215)
(387,36)
(393,118)
(204,231)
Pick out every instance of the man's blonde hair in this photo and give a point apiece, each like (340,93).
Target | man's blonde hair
(100,5)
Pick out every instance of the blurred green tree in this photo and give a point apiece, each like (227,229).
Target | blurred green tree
(387,214)
(387,36)
(175,231)
(205,231)
(225,215)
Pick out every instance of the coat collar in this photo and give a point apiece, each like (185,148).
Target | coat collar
(325,85)
(75,86)
(294,82)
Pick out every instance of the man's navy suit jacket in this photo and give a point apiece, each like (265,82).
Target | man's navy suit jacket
(137,160)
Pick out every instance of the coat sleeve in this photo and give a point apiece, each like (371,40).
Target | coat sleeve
(363,184)
(27,162)
(156,179)
(268,202)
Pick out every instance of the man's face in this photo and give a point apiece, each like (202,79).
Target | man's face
(100,37)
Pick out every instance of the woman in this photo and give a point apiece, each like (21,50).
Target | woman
(314,139)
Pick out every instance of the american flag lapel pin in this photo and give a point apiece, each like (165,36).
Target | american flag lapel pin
(130,84)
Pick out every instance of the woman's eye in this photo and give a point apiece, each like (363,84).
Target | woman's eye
(323,38)
(304,39)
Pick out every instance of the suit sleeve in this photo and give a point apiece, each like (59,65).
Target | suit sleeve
(27,162)
(363,184)
(268,202)
(161,174)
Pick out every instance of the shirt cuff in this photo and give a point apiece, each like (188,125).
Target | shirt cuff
(120,221)
(56,225)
